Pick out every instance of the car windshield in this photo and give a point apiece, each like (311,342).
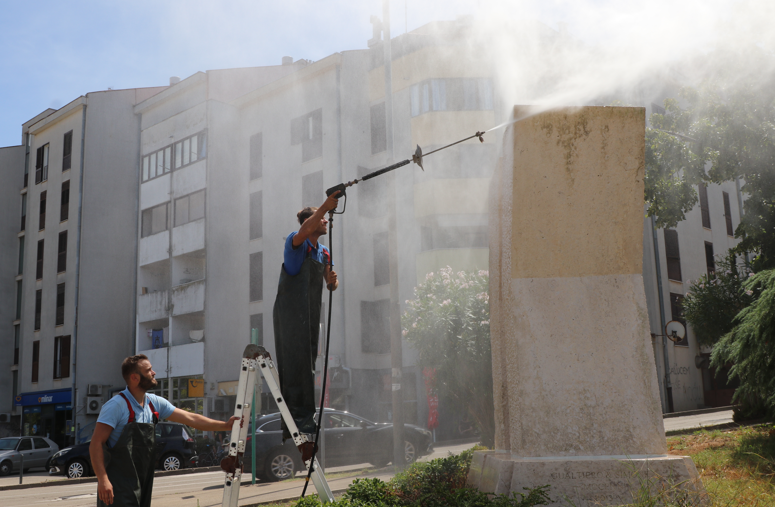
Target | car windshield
(8,443)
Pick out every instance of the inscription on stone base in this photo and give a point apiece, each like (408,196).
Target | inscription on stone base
(589,481)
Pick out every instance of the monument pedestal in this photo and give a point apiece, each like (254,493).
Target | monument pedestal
(574,378)
(588,481)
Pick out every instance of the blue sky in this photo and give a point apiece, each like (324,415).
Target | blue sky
(51,52)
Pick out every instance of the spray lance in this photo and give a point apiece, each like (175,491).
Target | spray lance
(416,158)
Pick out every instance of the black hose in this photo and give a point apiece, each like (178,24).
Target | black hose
(325,363)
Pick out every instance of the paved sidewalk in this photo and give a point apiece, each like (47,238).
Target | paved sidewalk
(704,419)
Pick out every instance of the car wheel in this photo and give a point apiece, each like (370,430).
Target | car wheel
(5,468)
(279,466)
(410,452)
(77,469)
(171,462)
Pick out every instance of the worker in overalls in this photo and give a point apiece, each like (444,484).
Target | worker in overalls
(122,447)
(306,267)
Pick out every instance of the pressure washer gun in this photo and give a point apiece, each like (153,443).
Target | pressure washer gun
(416,158)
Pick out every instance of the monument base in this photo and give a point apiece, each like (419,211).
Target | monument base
(587,481)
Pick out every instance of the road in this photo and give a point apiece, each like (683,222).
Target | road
(206,488)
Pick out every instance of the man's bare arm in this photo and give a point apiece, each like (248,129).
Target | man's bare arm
(201,422)
(99,437)
(311,224)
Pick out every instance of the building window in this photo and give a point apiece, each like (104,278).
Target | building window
(705,210)
(21,256)
(381,259)
(312,193)
(728,215)
(39,263)
(435,238)
(24,211)
(60,314)
(35,359)
(38,299)
(257,276)
(375,326)
(176,155)
(64,206)
(67,151)
(657,109)
(16,341)
(42,218)
(41,164)
(709,261)
(454,94)
(189,208)
(28,141)
(15,382)
(155,220)
(677,312)
(256,221)
(61,357)
(372,199)
(18,300)
(673,255)
(378,128)
(307,130)
(256,156)
(257,326)
(62,252)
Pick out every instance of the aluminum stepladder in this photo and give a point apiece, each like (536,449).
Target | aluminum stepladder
(256,358)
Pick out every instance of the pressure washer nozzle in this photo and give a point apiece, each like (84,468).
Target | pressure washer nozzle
(479,135)
(417,157)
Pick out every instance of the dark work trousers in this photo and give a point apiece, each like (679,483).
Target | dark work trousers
(131,466)
(296,331)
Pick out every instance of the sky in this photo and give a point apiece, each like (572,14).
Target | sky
(57,51)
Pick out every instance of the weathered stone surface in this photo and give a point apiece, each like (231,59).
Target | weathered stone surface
(574,377)
(600,480)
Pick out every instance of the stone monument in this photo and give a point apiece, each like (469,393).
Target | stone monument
(575,383)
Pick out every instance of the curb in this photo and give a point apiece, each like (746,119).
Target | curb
(87,480)
(726,426)
(698,412)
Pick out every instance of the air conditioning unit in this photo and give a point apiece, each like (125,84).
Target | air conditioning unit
(220,405)
(94,390)
(93,404)
(5,418)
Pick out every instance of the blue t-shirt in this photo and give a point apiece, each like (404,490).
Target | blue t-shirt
(115,413)
(294,257)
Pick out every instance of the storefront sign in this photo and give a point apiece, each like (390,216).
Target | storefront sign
(44,398)
(32,410)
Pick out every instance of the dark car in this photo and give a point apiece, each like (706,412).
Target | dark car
(34,452)
(349,440)
(175,449)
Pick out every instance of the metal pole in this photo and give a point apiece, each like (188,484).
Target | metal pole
(396,353)
(254,341)
(667,406)
(21,467)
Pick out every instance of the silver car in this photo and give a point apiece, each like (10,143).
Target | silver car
(34,450)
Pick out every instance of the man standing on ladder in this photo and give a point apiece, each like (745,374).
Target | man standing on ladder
(306,266)
(124,467)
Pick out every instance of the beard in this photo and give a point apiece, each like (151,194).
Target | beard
(146,383)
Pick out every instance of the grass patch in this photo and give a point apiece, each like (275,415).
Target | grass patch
(737,467)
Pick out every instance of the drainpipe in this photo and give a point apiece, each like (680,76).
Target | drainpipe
(74,393)
(667,404)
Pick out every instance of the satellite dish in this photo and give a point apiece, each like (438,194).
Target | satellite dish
(675,331)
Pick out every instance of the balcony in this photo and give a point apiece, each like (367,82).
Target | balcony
(188,298)
(188,238)
(154,248)
(153,306)
(459,259)
(183,360)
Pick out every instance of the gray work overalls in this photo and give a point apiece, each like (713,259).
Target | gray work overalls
(296,319)
(130,463)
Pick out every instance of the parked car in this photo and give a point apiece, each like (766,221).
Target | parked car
(349,440)
(175,449)
(35,452)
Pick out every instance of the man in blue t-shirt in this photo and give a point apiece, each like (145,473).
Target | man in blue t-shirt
(296,317)
(122,448)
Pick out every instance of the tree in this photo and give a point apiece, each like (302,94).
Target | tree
(448,323)
(750,346)
(714,300)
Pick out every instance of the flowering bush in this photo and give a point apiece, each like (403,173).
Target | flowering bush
(448,323)
(713,301)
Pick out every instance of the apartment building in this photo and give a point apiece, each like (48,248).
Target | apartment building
(76,257)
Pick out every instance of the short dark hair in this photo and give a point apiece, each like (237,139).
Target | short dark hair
(129,366)
(305,213)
